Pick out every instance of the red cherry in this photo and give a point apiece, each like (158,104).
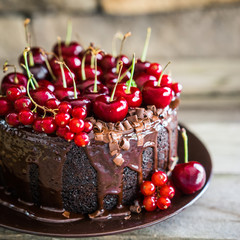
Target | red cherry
(86,83)
(149,203)
(14,93)
(76,125)
(110,111)
(177,87)
(69,136)
(88,58)
(26,117)
(42,95)
(73,62)
(68,77)
(154,69)
(48,125)
(134,98)
(62,93)
(147,188)
(88,126)
(156,95)
(80,102)
(5,106)
(73,49)
(38,57)
(62,131)
(79,112)
(159,178)
(166,81)
(81,139)
(12,119)
(141,66)
(163,203)
(90,94)
(37,125)
(167,191)
(65,107)
(52,103)
(39,71)
(46,84)
(62,119)
(90,72)
(142,78)
(108,62)
(23,103)
(124,59)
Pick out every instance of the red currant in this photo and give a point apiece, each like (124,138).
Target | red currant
(37,125)
(12,119)
(167,191)
(26,117)
(48,125)
(5,106)
(149,203)
(155,69)
(76,125)
(163,203)
(147,188)
(88,126)
(65,107)
(62,119)
(52,103)
(159,178)
(23,103)
(79,112)
(14,93)
(81,139)
(69,136)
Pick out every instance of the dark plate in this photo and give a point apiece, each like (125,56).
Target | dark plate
(86,228)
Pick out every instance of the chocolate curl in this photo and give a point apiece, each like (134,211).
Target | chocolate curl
(132,119)
(140,113)
(66,214)
(113,148)
(99,137)
(118,160)
(140,139)
(131,112)
(127,125)
(136,208)
(124,144)
(119,126)
(98,127)
(114,136)
(139,128)
(155,118)
(149,113)
(146,123)
(159,111)
(91,119)
(152,108)
(110,126)
(174,104)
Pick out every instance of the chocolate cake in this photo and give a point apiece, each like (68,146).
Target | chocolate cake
(46,172)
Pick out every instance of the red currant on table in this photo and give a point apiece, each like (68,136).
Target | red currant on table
(147,188)
(163,203)
(12,119)
(62,119)
(48,125)
(81,139)
(159,178)
(76,125)
(88,126)
(37,125)
(149,203)
(79,112)
(65,107)
(26,117)
(52,103)
(167,191)
(69,136)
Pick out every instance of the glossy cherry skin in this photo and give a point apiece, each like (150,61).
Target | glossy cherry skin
(141,67)
(23,103)
(68,76)
(26,117)
(9,81)
(134,98)
(38,57)
(14,93)
(90,94)
(86,83)
(108,62)
(167,191)
(166,81)
(110,111)
(39,71)
(147,188)
(62,93)
(88,58)
(73,49)
(124,59)
(163,203)
(73,62)
(48,125)
(142,78)
(176,87)
(80,102)
(90,72)
(81,139)
(42,95)
(6,106)
(159,178)
(12,119)
(155,95)
(46,84)
(189,177)
(149,203)
(52,103)
(154,69)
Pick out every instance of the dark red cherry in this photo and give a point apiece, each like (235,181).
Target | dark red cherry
(69,136)
(166,81)
(154,69)
(134,98)
(26,117)
(88,59)
(110,111)
(79,112)
(12,119)
(125,60)
(62,93)
(108,62)
(81,139)
(62,131)
(39,71)
(80,102)
(76,125)
(46,84)
(38,57)
(141,67)
(13,93)
(90,94)
(68,76)
(73,62)
(142,78)
(42,95)
(48,125)
(73,49)
(23,103)
(12,79)
(86,83)
(90,72)
(156,95)
(37,125)
(6,106)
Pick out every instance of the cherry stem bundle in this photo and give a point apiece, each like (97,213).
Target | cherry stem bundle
(28,40)
(185,140)
(128,90)
(145,49)
(160,78)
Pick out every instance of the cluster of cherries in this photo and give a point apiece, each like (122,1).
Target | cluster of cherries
(157,192)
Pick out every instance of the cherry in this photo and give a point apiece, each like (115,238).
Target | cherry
(37,57)
(14,93)
(167,191)
(91,94)
(62,119)
(12,119)
(124,59)
(71,49)
(188,177)
(23,103)
(90,72)
(176,87)
(48,125)
(62,93)
(42,95)
(68,77)
(46,84)
(76,125)
(159,178)
(65,107)
(141,67)
(142,78)
(52,103)
(73,62)
(37,125)
(149,203)
(26,117)
(88,126)
(89,57)
(163,203)
(81,139)
(83,84)
(69,136)
(79,112)
(154,69)
(108,62)
(166,81)
(39,71)
(147,188)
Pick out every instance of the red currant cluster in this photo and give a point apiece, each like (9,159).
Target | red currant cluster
(157,192)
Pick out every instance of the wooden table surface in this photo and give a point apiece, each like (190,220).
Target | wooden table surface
(210,108)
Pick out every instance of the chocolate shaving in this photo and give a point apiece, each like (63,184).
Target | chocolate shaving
(152,108)
(119,126)
(159,111)
(136,208)
(118,160)
(66,214)
(139,128)
(110,126)
(140,139)
(113,147)
(124,144)
(127,125)
(98,127)
(131,112)
(174,104)
(149,113)
(147,123)
(115,136)
(140,113)
(91,119)
(99,137)
(132,119)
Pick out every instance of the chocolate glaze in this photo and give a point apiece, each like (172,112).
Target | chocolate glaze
(32,165)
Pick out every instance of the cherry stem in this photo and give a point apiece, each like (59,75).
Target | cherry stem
(28,40)
(59,48)
(125,73)
(116,37)
(119,74)
(69,33)
(95,79)
(160,78)
(63,75)
(185,140)
(48,65)
(144,53)
(83,67)
(92,61)
(5,68)
(27,68)
(128,90)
